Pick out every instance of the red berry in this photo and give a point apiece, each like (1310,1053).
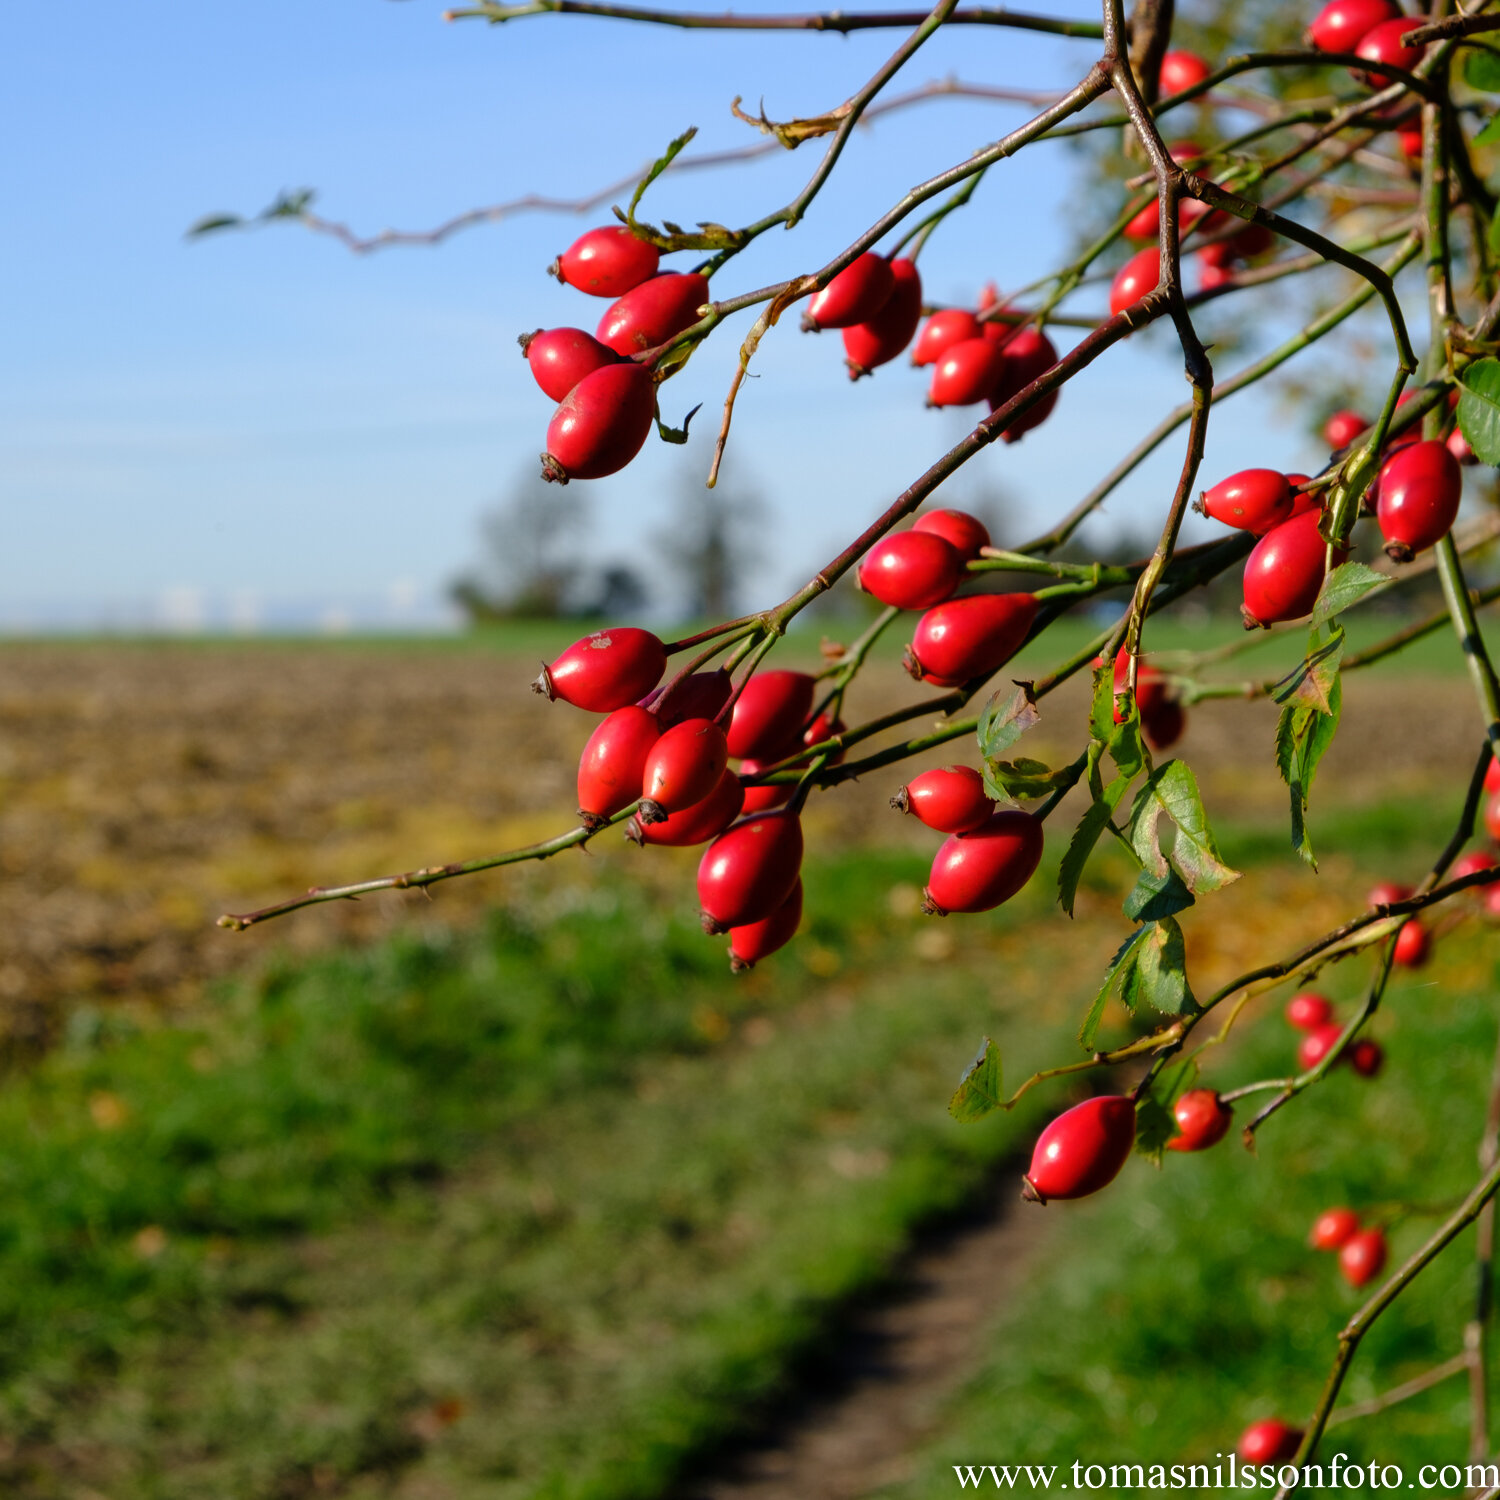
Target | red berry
(614,762)
(606,262)
(951,799)
(1492,817)
(1413,945)
(1269,1442)
(606,670)
(1420,487)
(1253,500)
(1458,445)
(1366,1057)
(697,824)
(1309,1010)
(1362,1256)
(653,312)
(825,728)
(1387,893)
(1471,863)
(700,695)
(981,869)
(769,714)
(758,940)
(1082,1150)
(1138,276)
(1333,1228)
(1150,685)
(1163,726)
(1384,43)
(748,871)
(1213,275)
(966,532)
(1202,1120)
(602,424)
(1285,570)
(911,570)
(764,798)
(967,638)
(1179,71)
(561,357)
(1492,775)
(1317,1044)
(1028,356)
(1341,25)
(952,325)
(685,765)
(883,337)
(966,373)
(1342,428)
(1146,224)
(855,295)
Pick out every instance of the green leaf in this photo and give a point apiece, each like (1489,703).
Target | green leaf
(1311,681)
(1173,789)
(1490,134)
(1155,1125)
(676,434)
(1303,735)
(1482,69)
(1346,585)
(1006,717)
(1010,780)
(1157,974)
(979,1090)
(1156,896)
(659,166)
(1090,1028)
(1125,747)
(210,222)
(1102,709)
(1479,407)
(1085,836)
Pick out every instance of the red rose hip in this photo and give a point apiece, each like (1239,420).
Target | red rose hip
(1082,1150)
(749,870)
(1342,428)
(613,764)
(957,527)
(911,570)
(1284,571)
(1362,1256)
(1137,277)
(880,339)
(601,425)
(980,869)
(758,940)
(966,373)
(606,670)
(967,638)
(764,798)
(1253,500)
(697,824)
(1309,1010)
(606,262)
(1317,1044)
(855,295)
(1420,488)
(950,799)
(1342,24)
(944,329)
(1413,945)
(1385,43)
(769,713)
(1028,356)
(653,312)
(561,357)
(1203,1120)
(1181,70)
(685,765)
(700,695)
(1269,1442)
(1333,1228)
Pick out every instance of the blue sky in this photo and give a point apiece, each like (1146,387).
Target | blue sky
(189,429)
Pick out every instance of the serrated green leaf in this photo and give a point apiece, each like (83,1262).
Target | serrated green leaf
(659,166)
(1490,134)
(1010,780)
(1158,971)
(1085,836)
(1156,896)
(1482,69)
(1303,735)
(1311,681)
(1102,705)
(1006,717)
(1479,407)
(1155,1125)
(1346,585)
(979,1091)
(1173,789)
(1126,749)
(1090,1028)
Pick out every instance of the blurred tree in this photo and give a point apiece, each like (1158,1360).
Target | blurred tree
(709,546)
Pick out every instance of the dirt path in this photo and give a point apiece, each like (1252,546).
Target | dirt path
(857,1423)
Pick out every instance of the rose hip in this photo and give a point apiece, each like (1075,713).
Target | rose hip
(1333,1228)
(602,424)
(986,866)
(749,870)
(685,765)
(757,940)
(881,338)
(855,295)
(697,824)
(561,357)
(911,570)
(1082,1150)
(653,312)
(944,329)
(966,373)
(1253,500)
(606,262)
(950,799)
(957,527)
(769,714)
(606,670)
(1420,488)
(967,638)
(613,763)
(1203,1120)
(1285,571)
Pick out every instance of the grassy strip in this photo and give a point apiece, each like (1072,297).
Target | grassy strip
(1187,1303)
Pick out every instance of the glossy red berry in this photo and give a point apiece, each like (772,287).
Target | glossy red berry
(855,295)
(1150,685)
(697,824)
(1384,43)
(1082,1150)
(1253,500)
(653,312)
(764,798)
(1028,356)
(1284,571)
(606,670)
(1179,71)
(748,871)
(1387,893)
(1492,817)
(1164,726)
(561,357)
(1203,1120)
(967,533)
(1342,24)
(1413,945)
(1333,1228)
(1458,445)
(1342,428)
(614,762)
(981,869)
(880,339)
(967,638)
(685,765)
(1472,863)
(1362,1256)
(769,714)
(911,570)
(825,728)
(966,373)
(1409,140)
(1146,224)
(1269,1442)
(700,695)
(951,799)
(1420,488)
(1317,1044)
(606,262)
(758,940)
(1309,1010)
(1366,1057)
(1138,276)
(952,325)
(601,425)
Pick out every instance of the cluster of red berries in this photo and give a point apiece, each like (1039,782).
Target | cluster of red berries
(1372,29)
(1312,1014)
(1362,1251)
(606,393)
